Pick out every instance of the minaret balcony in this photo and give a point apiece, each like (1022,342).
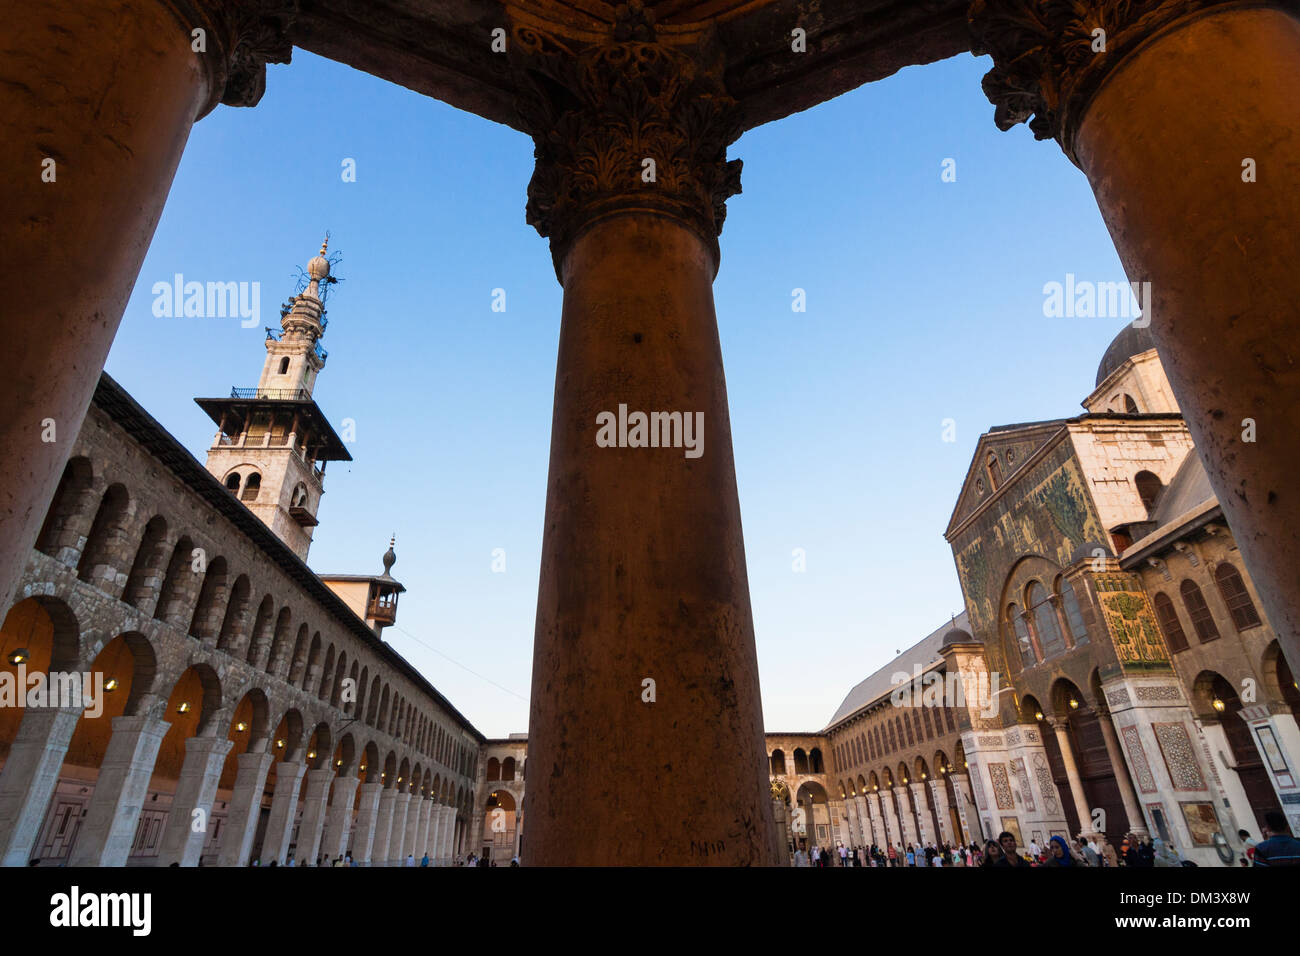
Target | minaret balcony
(382,612)
(273,394)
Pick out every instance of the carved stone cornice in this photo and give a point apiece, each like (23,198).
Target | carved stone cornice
(241,37)
(599,109)
(1048,61)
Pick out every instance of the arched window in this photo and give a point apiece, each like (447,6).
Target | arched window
(1130,406)
(1028,658)
(251,487)
(1235,595)
(1169,623)
(1148,488)
(1199,612)
(232,481)
(1045,622)
(284,365)
(1073,616)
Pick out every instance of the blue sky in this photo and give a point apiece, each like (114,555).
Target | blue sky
(924,302)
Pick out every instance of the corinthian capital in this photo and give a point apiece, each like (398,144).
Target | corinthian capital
(1051,56)
(624,122)
(239,38)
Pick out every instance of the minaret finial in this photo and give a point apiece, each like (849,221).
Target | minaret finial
(390,556)
(326,244)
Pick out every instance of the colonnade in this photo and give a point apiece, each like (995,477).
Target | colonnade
(1193,169)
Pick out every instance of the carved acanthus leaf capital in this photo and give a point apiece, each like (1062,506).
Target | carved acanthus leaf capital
(1051,56)
(624,124)
(239,38)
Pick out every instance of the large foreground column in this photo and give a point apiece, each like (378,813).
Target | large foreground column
(644,661)
(1188,128)
(96,103)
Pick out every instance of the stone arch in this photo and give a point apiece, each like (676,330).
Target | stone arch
(209,610)
(231,636)
(70,512)
(259,639)
(41,634)
(325,683)
(106,542)
(277,661)
(369,765)
(194,704)
(320,747)
(388,776)
(383,710)
(345,756)
(298,660)
(178,585)
(144,578)
(341,674)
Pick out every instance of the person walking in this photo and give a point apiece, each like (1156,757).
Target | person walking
(424,861)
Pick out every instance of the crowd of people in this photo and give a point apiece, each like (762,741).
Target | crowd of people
(1278,848)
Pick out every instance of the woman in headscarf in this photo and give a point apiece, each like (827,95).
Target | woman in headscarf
(993,855)
(1166,855)
(1058,852)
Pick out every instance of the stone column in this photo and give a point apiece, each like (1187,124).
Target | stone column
(410,841)
(339,818)
(196,789)
(643,574)
(893,833)
(434,833)
(449,836)
(920,804)
(1060,728)
(961,791)
(284,807)
(315,799)
(31,771)
(939,793)
(1188,129)
(907,821)
(102,96)
(109,827)
(878,836)
(422,835)
(383,828)
(363,835)
(864,820)
(1136,822)
(245,808)
(397,841)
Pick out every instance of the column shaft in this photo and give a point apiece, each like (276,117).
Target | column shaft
(186,832)
(363,836)
(313,812)
(339,817)
(30,774)
(284,807)
(1220,255)
(106,835)
(245,808)
(643,575)
(107,93)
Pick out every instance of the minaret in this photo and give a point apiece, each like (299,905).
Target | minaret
(372,597)
(272,441)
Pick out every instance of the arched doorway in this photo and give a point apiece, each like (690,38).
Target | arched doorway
(1217,702)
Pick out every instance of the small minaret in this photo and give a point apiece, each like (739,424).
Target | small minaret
(273,441)
(372,597)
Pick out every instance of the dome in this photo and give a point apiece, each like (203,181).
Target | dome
(319,266)
(1132,340)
